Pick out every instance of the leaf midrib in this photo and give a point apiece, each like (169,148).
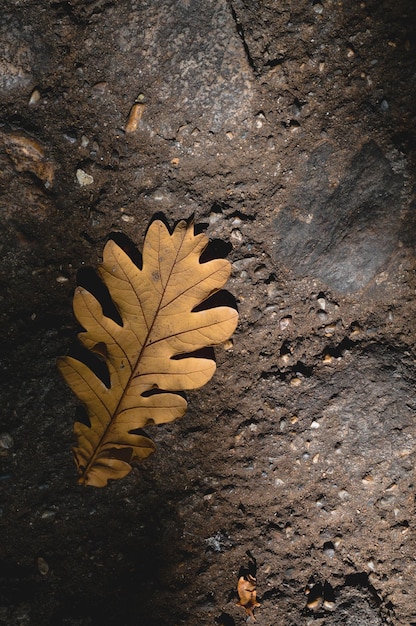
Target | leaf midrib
(145,344)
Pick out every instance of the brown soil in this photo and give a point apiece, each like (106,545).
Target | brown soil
(288,129)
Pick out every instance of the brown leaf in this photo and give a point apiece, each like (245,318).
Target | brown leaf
(246,589)
(158,323)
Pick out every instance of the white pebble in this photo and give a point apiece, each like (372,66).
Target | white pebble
(35,97)
(6,441)
(285,322)
(83,178)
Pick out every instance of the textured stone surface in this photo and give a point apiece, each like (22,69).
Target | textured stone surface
(343,233)
(287,129)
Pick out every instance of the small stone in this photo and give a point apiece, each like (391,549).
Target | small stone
(314,603)
(318,8)
(6,441)
(34,97)
(329,605)
(315,425)
(83,178)
(236,235)
(330,329)
(43,566)
(127,218)
(343,494)
(134,118)
(100,88)
(285,322)
(28,155)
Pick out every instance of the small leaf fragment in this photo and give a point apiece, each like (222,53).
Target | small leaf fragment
(246,589)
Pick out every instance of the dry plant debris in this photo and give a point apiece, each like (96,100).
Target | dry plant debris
(246,589)
(150,356)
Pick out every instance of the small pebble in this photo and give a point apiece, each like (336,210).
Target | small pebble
(343,494)
(6,441)
(100,88)
(34,97)
(314,604)
(318,8)
(329,605)
(83,178)
(214,217)
(134,118)
(236,235)
(285,322)
(43,566)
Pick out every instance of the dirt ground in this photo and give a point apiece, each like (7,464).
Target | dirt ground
(288,129)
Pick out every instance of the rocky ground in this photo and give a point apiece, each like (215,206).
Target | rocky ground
(288,129)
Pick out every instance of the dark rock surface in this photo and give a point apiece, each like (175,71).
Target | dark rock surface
(343,236)
(288,130)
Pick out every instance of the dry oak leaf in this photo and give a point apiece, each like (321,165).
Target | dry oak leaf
(156,305)
(246,589)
